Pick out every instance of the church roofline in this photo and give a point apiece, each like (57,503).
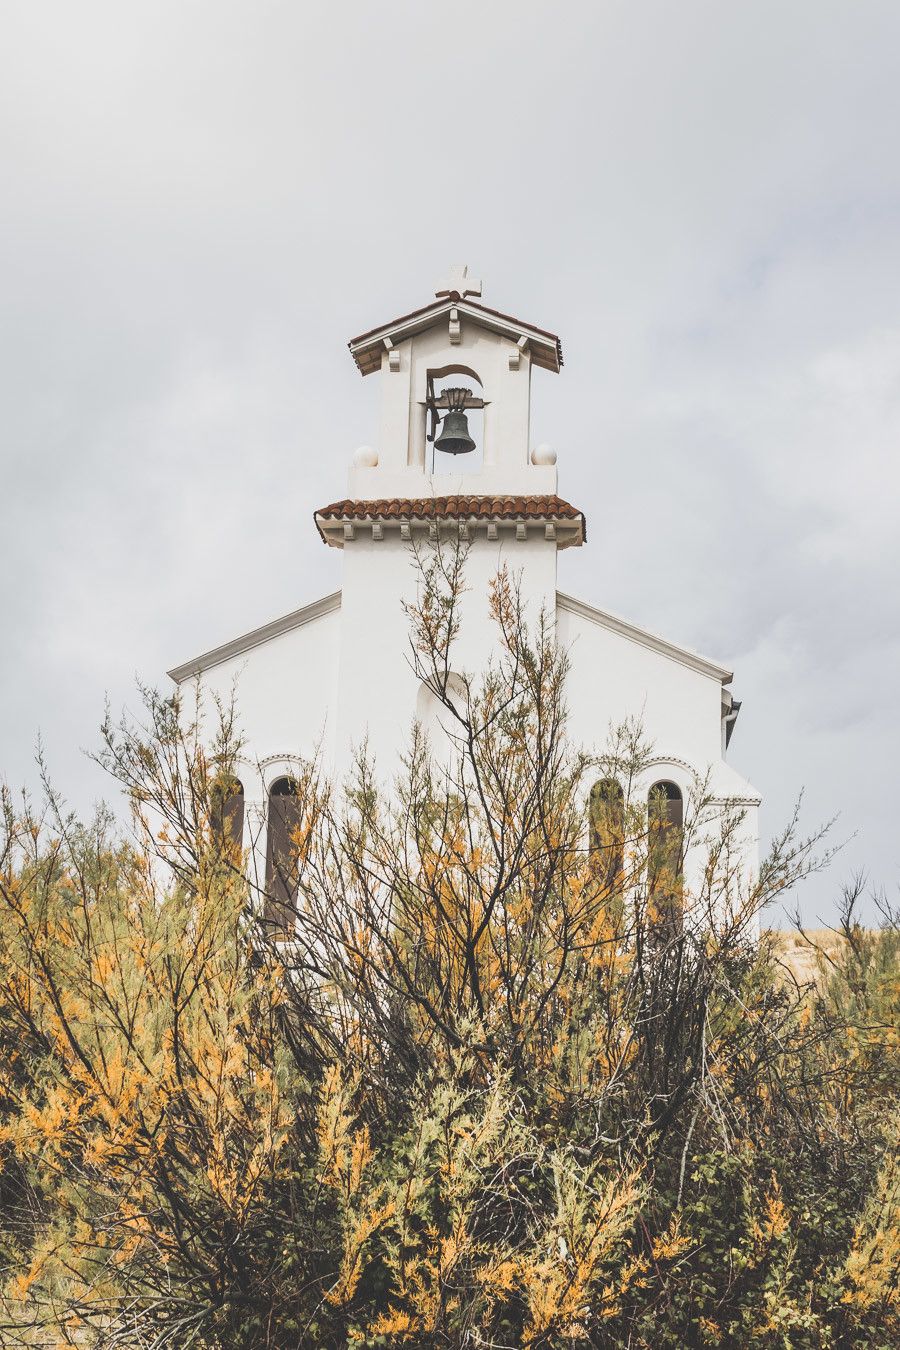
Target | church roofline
(367,348)
(256,637)
(615,624)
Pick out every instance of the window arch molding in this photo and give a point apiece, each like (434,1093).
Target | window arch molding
(666,769)
(274,767)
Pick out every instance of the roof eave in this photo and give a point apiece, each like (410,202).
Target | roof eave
(247,641)
(367,348)
(702,664)
(568,531)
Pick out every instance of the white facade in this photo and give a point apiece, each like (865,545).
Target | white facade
(335,674)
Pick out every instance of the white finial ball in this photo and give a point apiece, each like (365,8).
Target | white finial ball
(543,454)
(365,457)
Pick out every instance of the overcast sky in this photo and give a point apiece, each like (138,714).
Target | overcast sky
(201,203)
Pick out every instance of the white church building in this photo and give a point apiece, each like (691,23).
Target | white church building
(453,453)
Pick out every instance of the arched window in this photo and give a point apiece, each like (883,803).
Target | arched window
(281,856)
(226,810)
(606,823)
(437,720)
(665,841)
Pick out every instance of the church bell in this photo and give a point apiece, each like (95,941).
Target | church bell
(454,438)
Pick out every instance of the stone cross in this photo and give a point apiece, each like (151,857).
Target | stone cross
(458,284)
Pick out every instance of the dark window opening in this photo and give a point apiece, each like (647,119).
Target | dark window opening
(606,822)
(281,856)
(665,845)
(226,809)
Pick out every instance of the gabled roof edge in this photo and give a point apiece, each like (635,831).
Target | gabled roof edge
(256,637)
(418,319)
(702,664)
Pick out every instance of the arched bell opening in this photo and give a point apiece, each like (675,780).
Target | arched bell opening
(454,413)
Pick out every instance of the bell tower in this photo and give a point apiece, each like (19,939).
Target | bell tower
(452,461)
(425,360)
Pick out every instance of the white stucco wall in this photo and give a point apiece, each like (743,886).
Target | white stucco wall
(377,690)
(284,692)
(613,677)
(343,678)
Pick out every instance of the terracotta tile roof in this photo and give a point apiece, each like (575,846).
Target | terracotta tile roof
(333,521)
(451,508)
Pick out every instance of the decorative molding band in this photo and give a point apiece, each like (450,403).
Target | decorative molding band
(720,799)
(657,761)
(564,533)
(735,801)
